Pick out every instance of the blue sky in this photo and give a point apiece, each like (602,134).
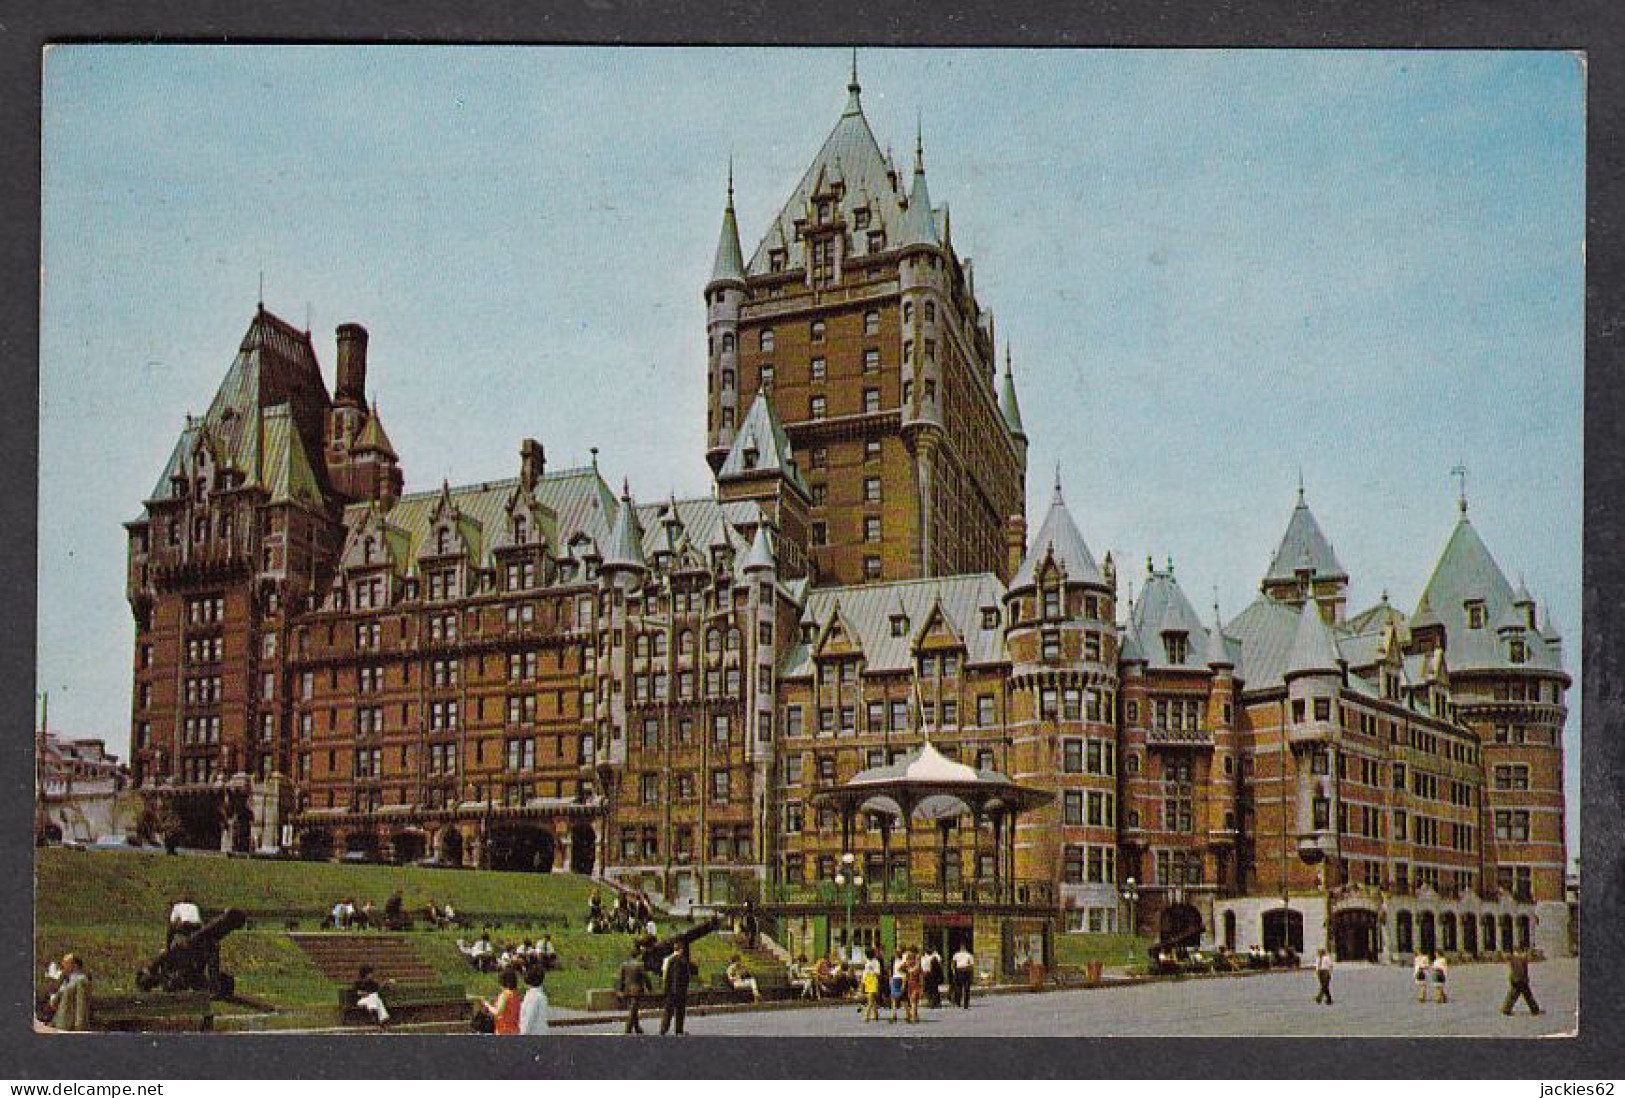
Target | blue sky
(1213,267)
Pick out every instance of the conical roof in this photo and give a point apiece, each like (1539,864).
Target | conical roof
(730,261)
(1162,609)
(1059,535)
(1314,649)
(625,549)
(1007,399)
(761,552)
(1218,653)
(919,223)
(1304,545)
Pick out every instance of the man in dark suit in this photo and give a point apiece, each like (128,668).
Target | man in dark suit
(633,983)
(1518,978)
(675,975)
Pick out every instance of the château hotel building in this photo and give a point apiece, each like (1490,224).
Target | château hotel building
(542,672)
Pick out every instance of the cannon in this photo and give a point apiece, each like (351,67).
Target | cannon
(192,962)
(655,954)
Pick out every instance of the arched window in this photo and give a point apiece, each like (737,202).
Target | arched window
(727,342)
(685,643)
(520,531)
(765,340)
(727,379)
(642,645)
(1404,937)
(713,642)
(733,639)
(660,644)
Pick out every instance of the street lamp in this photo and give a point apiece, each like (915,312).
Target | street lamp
(848,880)
(1131,896)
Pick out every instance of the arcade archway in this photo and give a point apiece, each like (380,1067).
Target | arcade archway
(519,848)
(583,849)
(1354,935)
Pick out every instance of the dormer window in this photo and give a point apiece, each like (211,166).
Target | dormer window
(990,617)
(1052,603)
(1176,645)
(1518,652)
(775,262)
(826,210)
(520,532)
(877,241)
(899,625)
(367,547)
(809,632)
(860,218)
(442,541)
(1475,614)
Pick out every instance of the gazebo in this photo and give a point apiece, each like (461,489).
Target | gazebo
(927,785)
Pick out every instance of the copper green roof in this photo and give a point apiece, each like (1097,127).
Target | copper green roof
(730,261)
(284,469)
(1467,573)
(1304,546)
(372,437)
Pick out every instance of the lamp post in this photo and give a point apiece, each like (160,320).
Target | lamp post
(848,880)
(1131,896)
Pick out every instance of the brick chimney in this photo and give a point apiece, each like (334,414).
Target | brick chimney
(352,366)
(1015,541)
(532,463)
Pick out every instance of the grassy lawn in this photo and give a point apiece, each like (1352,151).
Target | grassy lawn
(1111,949)
(110,907)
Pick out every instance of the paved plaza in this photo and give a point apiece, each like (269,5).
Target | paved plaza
(1371,1001)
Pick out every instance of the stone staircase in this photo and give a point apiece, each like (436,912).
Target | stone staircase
(339,955)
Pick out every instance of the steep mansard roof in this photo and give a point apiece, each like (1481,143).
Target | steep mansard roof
(1304,544)
(275,365)
(1467,572)
(1162,609)
(1058,535)
(852,156)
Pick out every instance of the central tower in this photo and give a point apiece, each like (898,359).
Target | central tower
(858,320)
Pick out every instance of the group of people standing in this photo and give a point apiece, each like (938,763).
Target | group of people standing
(912,975)
(1431,970)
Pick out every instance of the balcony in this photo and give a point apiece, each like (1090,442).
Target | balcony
(1179,737)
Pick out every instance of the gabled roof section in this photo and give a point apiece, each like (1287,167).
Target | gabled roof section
(938,631)
(1058,537)
(761,433)
(761,552)
(850,154)
(867,611)
(1304,545)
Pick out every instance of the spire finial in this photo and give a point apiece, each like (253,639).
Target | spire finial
(1300,484)
(595,459)
(919,142)
(730,181)
(853,89)
(1007,356)
(1058,498)
(1460,473)
(1170,564)
(262,290)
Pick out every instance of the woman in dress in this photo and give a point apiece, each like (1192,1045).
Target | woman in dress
(871,987)
(914,987)
(1439,971)
(505,1011)
(1419,969)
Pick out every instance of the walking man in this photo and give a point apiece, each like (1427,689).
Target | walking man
(633,983)
(1323,974)
(1518,978)
(675,975)
(964,971)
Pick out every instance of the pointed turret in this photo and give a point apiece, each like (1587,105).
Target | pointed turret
(1007,400)
(1218,653)
(761,552)
(1303,543)
(1059,535)
(625,549)
(919,224)
(761,446)
(1314,649)
(729,267)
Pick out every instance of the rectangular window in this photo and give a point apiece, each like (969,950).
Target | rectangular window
(1073,809)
